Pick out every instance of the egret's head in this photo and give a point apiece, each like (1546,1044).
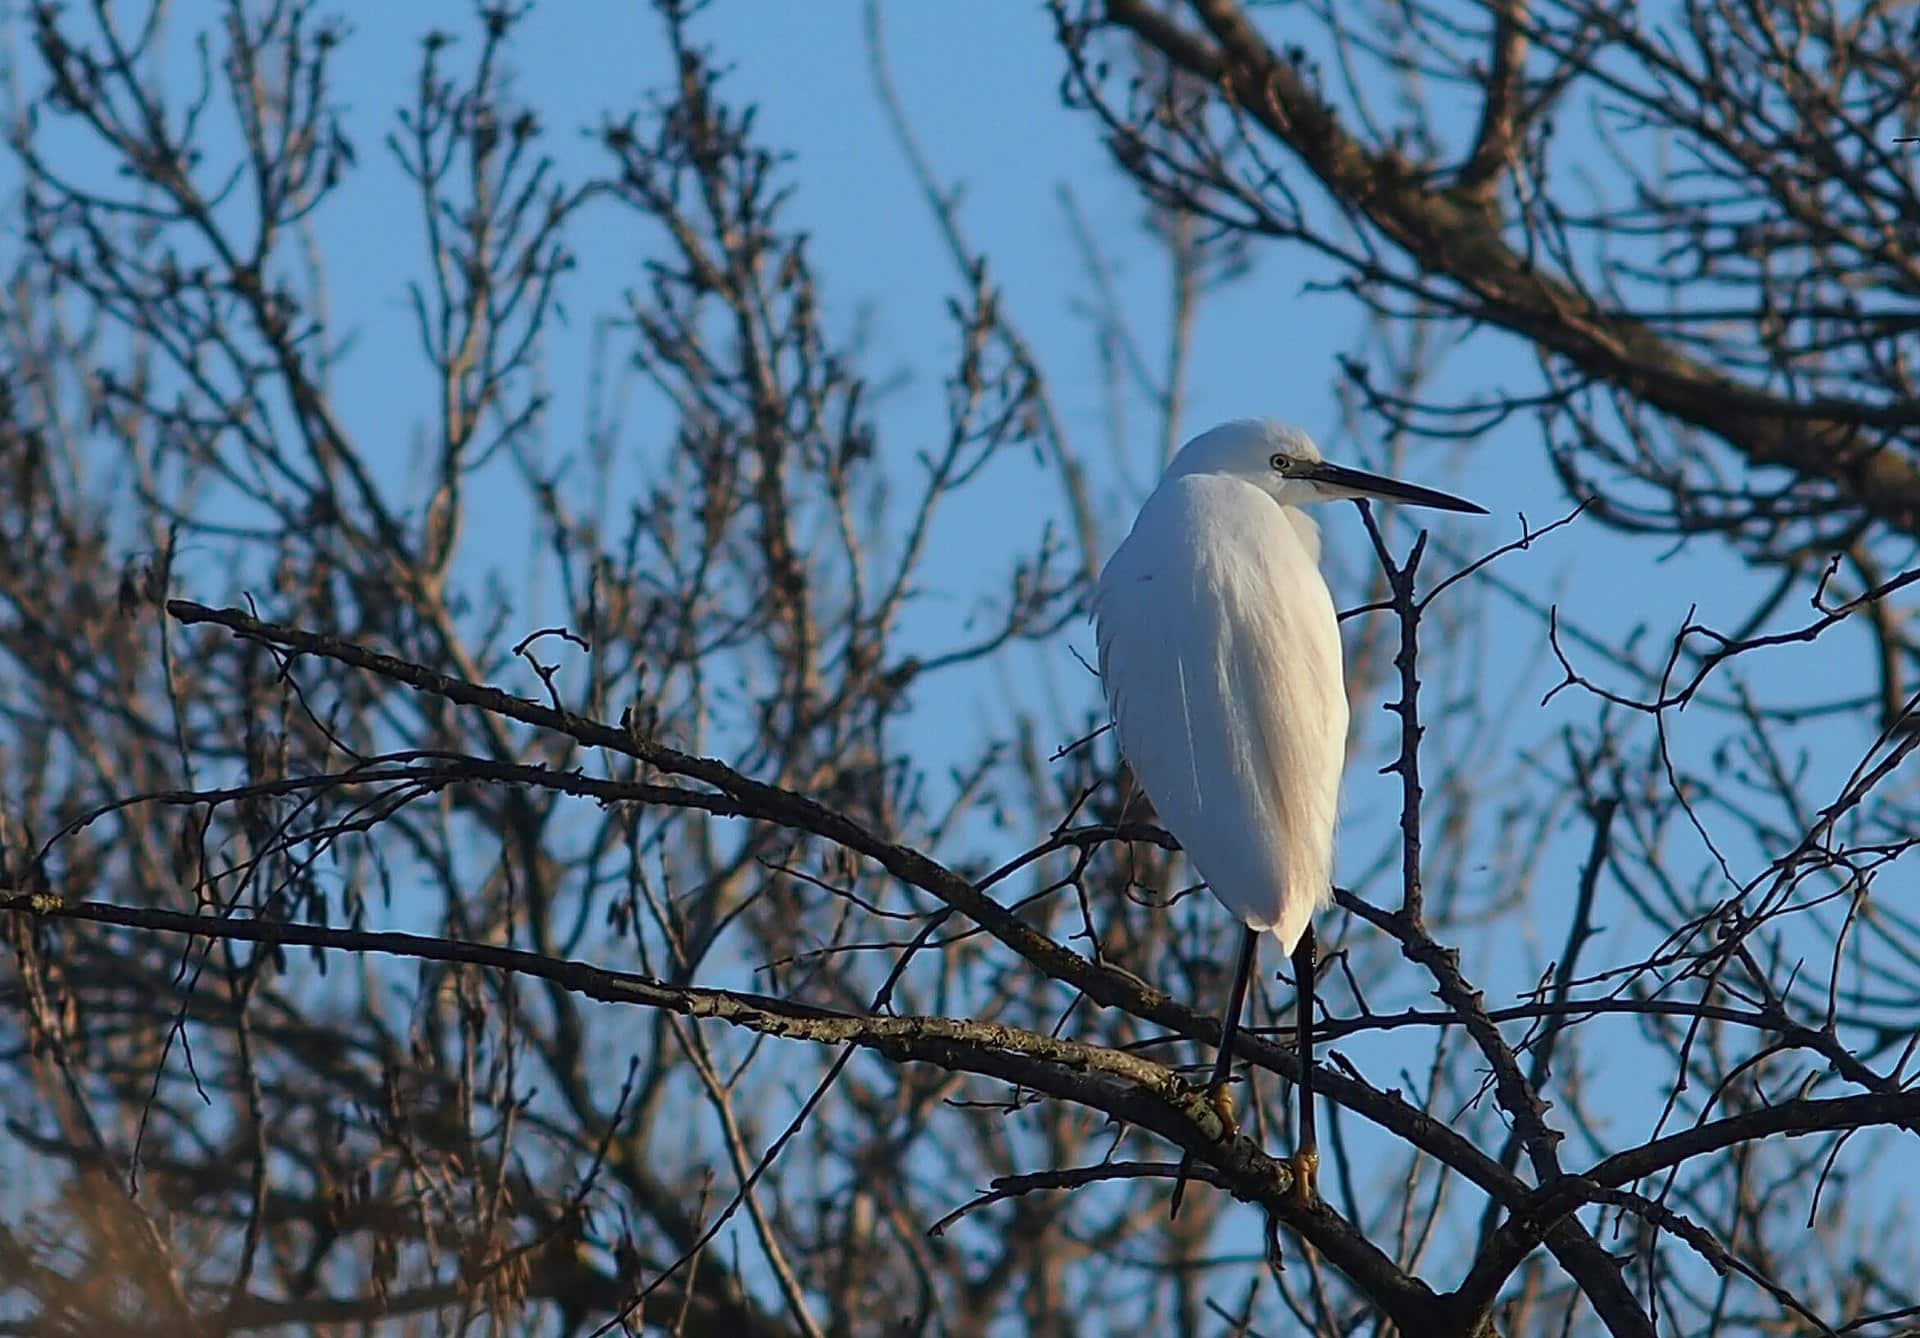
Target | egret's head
(1284,461)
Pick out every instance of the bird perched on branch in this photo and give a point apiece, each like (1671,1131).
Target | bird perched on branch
(1220,658)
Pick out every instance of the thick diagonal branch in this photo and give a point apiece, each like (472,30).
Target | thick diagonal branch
(1449,232)
(1125,1087)
(1154,1098)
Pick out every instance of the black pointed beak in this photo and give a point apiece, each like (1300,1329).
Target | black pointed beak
(1360,483)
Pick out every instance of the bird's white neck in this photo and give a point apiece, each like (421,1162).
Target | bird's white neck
(1305,527)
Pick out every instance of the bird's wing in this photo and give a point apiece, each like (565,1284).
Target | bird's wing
(1220,656)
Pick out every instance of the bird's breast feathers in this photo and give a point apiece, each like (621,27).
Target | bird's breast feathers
(1220,657)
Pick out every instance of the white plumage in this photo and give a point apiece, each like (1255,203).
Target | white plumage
(1222,668)
(1220,658)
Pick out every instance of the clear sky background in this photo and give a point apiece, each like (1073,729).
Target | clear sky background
(982,86)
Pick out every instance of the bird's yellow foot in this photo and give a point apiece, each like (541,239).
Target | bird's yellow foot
(1306,1177)
(1222,1099)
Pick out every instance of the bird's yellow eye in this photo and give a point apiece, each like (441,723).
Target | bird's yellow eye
(1281,464)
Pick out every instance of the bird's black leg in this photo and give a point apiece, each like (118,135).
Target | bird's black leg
(1306,1153)
(1223,1062)
(1230,1024)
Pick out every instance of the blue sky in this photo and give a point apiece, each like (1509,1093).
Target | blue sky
(983,89)
(983,95)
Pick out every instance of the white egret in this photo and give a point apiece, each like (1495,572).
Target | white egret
(1220,657)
